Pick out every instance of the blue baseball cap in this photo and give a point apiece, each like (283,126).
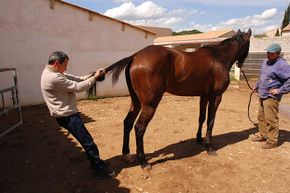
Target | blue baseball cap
(274,48)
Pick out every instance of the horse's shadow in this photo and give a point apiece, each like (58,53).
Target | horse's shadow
(189,148)
(284,136)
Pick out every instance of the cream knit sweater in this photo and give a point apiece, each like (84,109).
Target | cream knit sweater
(59,89)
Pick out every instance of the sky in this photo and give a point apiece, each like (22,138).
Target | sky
(203,15)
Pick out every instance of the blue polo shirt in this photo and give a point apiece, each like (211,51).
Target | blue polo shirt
(276,75)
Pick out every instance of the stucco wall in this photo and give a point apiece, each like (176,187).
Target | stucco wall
(257,47)
(31,30)
(260,44)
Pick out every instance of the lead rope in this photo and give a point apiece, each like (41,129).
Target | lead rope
(249,104)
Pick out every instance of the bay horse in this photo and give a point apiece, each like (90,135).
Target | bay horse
(155,69)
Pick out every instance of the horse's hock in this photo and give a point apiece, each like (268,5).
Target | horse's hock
(10,109)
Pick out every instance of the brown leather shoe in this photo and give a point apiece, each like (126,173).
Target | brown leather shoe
(258,138)
(269,145)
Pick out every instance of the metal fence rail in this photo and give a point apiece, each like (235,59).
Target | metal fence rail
(15,102)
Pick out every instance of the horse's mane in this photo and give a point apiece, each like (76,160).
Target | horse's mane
(215,48)
(222,43)
(228,40)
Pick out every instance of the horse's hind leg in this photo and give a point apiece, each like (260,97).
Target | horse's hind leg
(146,115)
(129,122)
(132,114)
(202,114)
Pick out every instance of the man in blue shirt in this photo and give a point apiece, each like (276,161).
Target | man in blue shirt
(274,81)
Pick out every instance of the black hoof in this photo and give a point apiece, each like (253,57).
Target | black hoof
(199,141)
(210,150)
(211,153)
(130,158)
(125,151)
(146,166)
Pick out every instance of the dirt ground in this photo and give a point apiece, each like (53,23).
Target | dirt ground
(39,156)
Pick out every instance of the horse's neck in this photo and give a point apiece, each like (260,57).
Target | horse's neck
(229,55)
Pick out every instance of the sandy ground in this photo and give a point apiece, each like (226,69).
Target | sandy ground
(39,156)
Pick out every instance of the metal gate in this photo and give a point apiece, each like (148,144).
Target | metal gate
(10,93)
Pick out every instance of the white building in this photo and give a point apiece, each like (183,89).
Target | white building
(31,30)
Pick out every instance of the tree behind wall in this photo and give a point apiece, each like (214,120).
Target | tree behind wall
(286,18)
(277,32)
(186,32)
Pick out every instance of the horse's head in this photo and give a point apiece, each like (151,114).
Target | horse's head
(243,39)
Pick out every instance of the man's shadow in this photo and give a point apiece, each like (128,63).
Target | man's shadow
(41,156)
(189,148)
(86,118)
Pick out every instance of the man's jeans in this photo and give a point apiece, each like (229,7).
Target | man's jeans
(76,127)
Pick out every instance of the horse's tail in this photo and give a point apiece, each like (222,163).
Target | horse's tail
(118,67)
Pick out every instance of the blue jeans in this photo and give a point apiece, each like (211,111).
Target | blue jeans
(76,127)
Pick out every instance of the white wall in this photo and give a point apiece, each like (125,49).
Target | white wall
(286,33)
(30,31)
(260,44)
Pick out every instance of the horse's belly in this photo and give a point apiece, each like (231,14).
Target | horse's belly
(183,91)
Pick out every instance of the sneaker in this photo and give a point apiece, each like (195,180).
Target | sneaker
(258,138)
(105,173)
(269,145)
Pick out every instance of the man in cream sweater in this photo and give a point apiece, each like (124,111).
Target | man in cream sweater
(58,89)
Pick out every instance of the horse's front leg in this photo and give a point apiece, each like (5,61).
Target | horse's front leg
(202,112)
(212,108)
(146,115)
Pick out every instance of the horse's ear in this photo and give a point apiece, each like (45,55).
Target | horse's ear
(249,32)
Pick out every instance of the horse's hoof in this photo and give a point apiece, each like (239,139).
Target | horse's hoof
(146,167)
(130,158)
(212,153)
(199,141)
